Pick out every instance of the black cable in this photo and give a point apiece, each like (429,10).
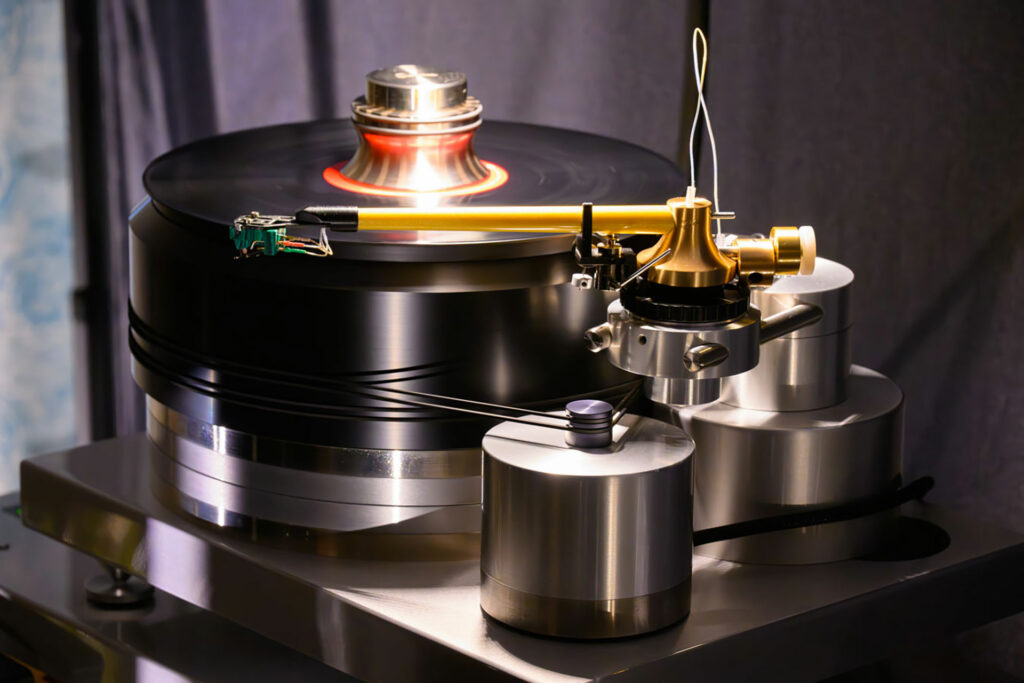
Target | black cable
(376,391)
(839,513)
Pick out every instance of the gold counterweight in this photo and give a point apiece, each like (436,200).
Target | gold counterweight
(782,253)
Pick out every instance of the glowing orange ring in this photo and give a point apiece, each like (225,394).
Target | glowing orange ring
(496,177)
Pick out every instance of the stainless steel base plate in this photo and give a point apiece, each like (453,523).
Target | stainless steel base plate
(408,621)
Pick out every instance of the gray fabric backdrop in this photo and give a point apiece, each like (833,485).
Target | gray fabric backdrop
(894,128)
(897,130)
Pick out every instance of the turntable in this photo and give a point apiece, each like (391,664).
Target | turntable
(415,364)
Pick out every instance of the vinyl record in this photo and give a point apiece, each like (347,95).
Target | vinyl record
(280,169)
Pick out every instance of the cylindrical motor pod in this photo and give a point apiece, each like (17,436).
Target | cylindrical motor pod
(754,464)
(587,543)
(806,369)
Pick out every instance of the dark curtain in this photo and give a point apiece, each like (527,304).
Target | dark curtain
(894,128)
(897,130)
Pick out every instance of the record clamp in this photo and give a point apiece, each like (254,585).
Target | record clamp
(416,126)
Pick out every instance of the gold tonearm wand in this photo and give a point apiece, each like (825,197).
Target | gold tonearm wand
(652,219)
(686,255)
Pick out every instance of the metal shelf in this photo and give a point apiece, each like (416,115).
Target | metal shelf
(421,620)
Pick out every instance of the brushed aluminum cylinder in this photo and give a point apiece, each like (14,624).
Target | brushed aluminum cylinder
(794,373)
(828,288)
(753,464)
(328,500)
(415,88)
(657,350)
(587,543)
(344,475)
(683,392)
(806,369)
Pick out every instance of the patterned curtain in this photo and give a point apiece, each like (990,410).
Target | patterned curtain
(36,269)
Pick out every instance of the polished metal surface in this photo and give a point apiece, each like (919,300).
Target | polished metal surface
(414,161)
(788,321)
(116,589)
(657,350)
(787,251)
(357,476)
(794,373)
(587,542)
(576,618)
(415,88)
(747,622)
(706,355)
(752,464)
(448,338)
(224,501)
(593,416)
(599,337)
(828,288)
(427,500)
(683,392)
(454,345)
(416,127)
(695,260)
(806,368)
(799,431)
(47,622)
